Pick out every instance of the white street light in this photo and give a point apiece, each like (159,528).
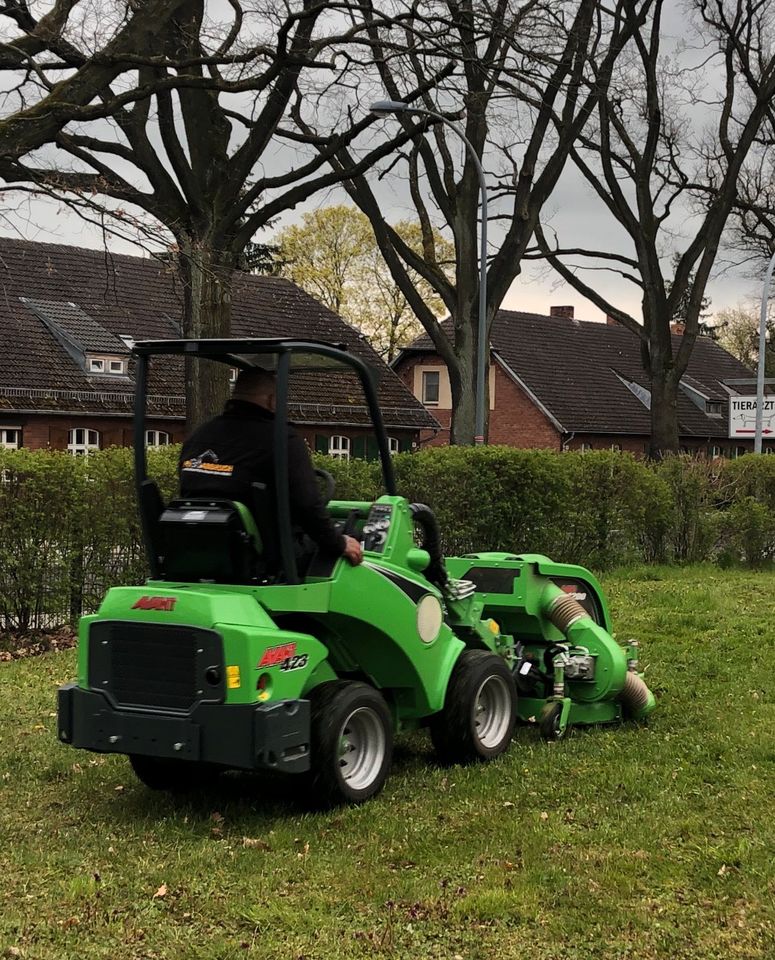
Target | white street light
(388,107)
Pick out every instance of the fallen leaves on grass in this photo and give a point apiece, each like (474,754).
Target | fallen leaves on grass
(17,646)
(160,893)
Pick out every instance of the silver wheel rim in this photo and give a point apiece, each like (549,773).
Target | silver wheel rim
(492,712)
(362,746)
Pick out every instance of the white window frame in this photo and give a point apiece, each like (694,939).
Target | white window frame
(90,440)
(716,452)
(5,443)
(157,438)
(423,381)
(586,447)
(339,447)
(233,374)
(616,447)
(394,445)
(96,365)
(116,366)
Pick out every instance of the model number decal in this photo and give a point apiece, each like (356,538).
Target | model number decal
(295,663)
(275,655)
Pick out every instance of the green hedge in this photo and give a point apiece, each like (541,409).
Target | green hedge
(69,529)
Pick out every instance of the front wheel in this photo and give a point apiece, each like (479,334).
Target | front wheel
(480,710)
(352,742)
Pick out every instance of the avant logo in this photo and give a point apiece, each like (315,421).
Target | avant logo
(155,603)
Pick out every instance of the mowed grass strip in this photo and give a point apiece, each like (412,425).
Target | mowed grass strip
(629,842)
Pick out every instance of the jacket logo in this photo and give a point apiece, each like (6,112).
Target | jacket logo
(207,462)
(155,603)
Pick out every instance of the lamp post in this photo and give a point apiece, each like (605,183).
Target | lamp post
(757,443)
(387,107)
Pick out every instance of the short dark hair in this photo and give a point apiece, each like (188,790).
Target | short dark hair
(255,378)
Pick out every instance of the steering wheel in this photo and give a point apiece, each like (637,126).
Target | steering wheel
(329,484)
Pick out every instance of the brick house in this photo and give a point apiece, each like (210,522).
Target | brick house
(565,384)
(68,317)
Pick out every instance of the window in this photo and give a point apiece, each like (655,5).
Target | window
(430,387)
(394,445)
(339,447)
(116,366)
(96,365)
(716,452)
(586,447)
(713,408)
(10,438)
(616,447)
(80,442)
(233,374)
(156,438)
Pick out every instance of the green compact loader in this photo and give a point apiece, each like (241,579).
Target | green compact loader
(238,653)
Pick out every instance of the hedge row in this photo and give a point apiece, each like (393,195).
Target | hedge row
(69,529)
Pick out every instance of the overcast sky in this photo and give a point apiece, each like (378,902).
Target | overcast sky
(573,211)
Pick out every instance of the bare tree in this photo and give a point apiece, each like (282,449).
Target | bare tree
(670,182)
(521,81)
(212,160)
(52,82)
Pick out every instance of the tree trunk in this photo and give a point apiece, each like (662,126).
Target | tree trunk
(664,415)
(207,279)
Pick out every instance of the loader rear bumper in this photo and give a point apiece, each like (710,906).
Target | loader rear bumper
(272,736)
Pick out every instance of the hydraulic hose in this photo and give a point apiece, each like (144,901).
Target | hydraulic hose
(436,572)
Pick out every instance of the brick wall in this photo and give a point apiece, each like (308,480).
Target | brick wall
(40,432)
(515,420)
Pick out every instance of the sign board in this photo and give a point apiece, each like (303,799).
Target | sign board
(742,417)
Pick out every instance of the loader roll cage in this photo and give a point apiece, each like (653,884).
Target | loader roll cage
(278,355)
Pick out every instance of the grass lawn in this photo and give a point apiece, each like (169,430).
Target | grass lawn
(636,842)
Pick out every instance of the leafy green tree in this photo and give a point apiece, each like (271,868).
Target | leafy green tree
(738,333)
(333,255)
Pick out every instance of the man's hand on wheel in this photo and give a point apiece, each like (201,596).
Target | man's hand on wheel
(352,551)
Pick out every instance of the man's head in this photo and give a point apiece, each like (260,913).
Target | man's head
(255,386)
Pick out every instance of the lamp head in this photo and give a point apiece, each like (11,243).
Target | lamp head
(384,108)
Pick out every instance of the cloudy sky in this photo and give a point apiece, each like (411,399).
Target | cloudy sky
(573,212)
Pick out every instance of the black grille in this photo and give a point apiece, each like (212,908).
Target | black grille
(154,665)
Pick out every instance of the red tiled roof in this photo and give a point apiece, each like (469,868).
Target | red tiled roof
(142,298)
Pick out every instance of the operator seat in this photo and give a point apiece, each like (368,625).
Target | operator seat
(211,540)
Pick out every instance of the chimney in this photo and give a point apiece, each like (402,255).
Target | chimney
(677,328)
(611,321)
(565,313)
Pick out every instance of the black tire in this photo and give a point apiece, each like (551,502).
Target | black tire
(480,710)
(352,742)
(176,776)
(549,722)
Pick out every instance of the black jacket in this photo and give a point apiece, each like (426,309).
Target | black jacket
(224,456)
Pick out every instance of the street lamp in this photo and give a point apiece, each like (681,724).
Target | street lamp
(388,107)
(757,443)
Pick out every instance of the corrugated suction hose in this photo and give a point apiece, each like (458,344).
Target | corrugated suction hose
(564,611)
(635,694)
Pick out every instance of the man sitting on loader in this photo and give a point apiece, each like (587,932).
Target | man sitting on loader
(226,456)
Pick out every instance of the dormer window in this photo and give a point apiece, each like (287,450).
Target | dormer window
(713,408)
(106,366)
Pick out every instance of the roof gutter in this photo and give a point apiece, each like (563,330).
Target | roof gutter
(531,396)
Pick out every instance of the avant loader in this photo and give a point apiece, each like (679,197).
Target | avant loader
(236,653)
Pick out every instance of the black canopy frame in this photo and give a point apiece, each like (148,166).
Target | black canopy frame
(235,353)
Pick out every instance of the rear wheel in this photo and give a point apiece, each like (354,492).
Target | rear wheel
(352,742)
(161,773)
(480,710)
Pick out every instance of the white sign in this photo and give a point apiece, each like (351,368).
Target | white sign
(742,417)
